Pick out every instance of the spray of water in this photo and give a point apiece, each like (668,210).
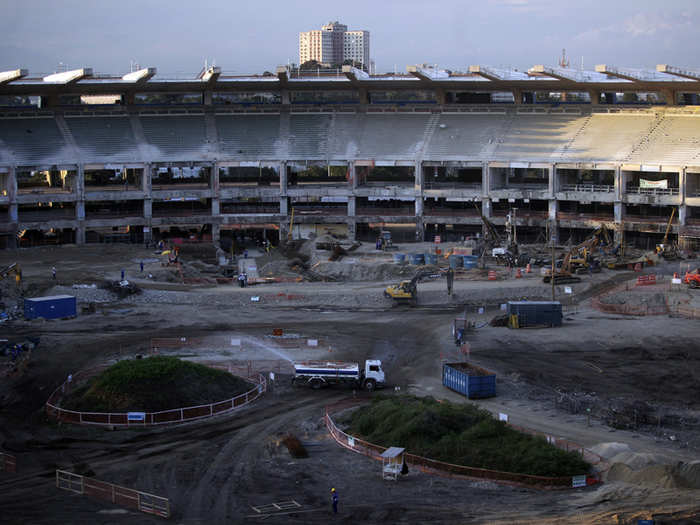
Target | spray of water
(277,351)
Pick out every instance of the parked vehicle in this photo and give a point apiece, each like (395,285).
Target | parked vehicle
(692,279)
(317,374)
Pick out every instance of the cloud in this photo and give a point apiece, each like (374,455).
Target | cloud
(646,24)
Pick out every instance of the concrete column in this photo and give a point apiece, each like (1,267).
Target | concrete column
(79,193)
(146,180)
(283,177)
(352,175)
(215,233)
(352,230)
(11,187)
(148,210)
(284,231)
(670,97)
(215,207)
(552,180)
(214,184)
(352,206)
(682,214)
(517,96)
(619,183)
(486,207)
(553,209)
(207,98)
(284,206)
(364,96)
(594,96)
(284,95)
(440,96)
(682,185)
(619,212)
(485,182)
(418,176)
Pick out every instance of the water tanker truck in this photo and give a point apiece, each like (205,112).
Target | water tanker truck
(317,374)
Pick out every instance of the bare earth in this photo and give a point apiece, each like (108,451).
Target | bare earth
(640,376)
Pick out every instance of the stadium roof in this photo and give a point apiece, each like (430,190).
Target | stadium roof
(479,78)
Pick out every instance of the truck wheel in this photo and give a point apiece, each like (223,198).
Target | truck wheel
(370,385)
(693,284)
(316,384)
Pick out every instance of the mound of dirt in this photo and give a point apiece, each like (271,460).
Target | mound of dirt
(152,384)
(635,299)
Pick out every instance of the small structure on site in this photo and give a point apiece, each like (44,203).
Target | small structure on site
(392,462)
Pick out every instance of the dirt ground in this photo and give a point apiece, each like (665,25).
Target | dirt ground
(639,376)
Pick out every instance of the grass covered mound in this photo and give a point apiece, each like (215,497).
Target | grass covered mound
(154,384)
(460,434)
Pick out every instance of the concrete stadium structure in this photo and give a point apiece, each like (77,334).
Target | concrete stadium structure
(421,153)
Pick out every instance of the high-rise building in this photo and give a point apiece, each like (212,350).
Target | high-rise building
(333,44)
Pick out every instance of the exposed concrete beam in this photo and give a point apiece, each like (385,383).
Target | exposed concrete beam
(493,73)
(684,73)
(69,76)
(9,76)
(428,74)
(633,75)
(210,74)
(354,74)
(142,75)
(483,72)
(568,74)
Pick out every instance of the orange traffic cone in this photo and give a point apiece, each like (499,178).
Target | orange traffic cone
(528,268)
(518,274)
(492,275)
(638,267)
(675,275)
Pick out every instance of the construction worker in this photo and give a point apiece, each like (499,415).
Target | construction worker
(450,279)
(241,280)
(53,272)
(334,500)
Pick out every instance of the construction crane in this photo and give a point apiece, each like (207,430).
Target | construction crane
(291,225)
(665,250)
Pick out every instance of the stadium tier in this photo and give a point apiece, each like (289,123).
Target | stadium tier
(247,158)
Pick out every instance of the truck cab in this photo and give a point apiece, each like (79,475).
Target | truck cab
(373,375)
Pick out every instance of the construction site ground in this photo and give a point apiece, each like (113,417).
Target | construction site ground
(640,376)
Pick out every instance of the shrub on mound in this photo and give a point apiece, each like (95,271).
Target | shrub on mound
(462,434)
(153,384)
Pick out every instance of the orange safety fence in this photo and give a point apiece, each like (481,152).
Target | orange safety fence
(122,496)
(8,462)
(644,308)
(177,415)
(433,466)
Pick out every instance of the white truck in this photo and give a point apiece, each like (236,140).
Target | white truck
(317,374)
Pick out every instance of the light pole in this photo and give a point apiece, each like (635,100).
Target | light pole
(554,239)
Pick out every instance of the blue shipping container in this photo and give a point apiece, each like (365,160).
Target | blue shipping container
(417,258)
(469,380)
(399,258)
(51,307)
(431,258)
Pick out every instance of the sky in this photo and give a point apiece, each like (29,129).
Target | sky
(244,37)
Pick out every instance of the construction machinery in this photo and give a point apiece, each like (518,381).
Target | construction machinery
(405,292)
(666,250)
(580,259)
(13,268)
(692,279)
(318,374)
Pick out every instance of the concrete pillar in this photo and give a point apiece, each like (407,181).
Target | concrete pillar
(682,215)
(11,188)
(486,207)
(79,193)
(352,178)
(214,183)
(553,209)
(207,98)
(682,185)
(364,96)
(215,233)
(418,176)
(284,206)
(352,206)
(284,231)
(552,180)
(420,229)
(148,210)
(283,177)
(80,233)
(352,230)
(440,96)
(619,183)
(146,180)
(594,96)
(670,97)
(485,182)
(517,97)
(215,207)
(284,96)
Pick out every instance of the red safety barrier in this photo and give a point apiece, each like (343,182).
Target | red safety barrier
(643,280)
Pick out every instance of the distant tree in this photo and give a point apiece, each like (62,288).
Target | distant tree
(310,64)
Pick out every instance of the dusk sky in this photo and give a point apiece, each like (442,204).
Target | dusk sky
(254,36)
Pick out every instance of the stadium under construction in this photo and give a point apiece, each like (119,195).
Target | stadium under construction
(96,158)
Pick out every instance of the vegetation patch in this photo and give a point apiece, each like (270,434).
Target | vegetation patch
(462,434)
(153,384)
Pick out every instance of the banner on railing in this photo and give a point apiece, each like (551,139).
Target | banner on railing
(657,184)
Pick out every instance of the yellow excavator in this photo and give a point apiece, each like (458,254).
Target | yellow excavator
(666,250)
(13,268)
(405,292)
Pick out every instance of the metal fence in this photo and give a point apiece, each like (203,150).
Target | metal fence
(604,188)
(439,467)
(599,302)
(125,497)
(164,417)
(8,462)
